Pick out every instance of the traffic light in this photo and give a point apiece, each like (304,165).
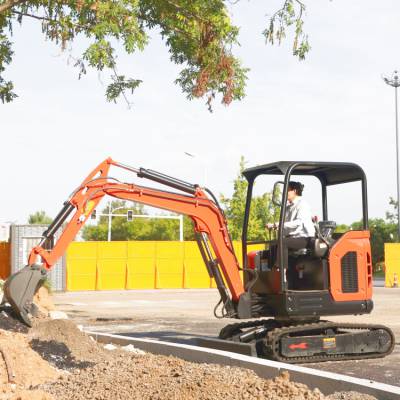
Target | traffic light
(93,215)
(129,215)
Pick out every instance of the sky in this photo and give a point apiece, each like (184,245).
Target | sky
(333,106)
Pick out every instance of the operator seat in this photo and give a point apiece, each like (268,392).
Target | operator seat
(308,267)
(320,244)
(323,237)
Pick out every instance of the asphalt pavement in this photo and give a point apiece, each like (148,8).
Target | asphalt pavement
(182,315)
(379,282)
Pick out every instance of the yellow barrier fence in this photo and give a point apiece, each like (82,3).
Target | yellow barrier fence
(138,265)
(392,264)
(5,261)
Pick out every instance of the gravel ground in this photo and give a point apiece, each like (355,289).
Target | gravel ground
(155,377)
(56,361)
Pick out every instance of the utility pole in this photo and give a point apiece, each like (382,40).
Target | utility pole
(394,82)
(110,215)
(202,162)
(132,216)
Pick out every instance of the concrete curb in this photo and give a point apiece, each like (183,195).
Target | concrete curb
(327,382)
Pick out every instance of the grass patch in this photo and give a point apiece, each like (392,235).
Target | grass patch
(379,274)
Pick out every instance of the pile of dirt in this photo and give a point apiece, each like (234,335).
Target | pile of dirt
(26,395)
(55,360)
(350,396)
(21,368)
(158,377)
(9,322)
(26,366)
(62,344)
(43,300)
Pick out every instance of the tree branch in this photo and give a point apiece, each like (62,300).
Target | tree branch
(9,4)
(123,91)
(34,16)
(181,9)
(40,18)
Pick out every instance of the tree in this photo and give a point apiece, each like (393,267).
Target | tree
(342,228)
(39,217)
(199,35)
(235,206)
(262,210)
(391,215)
(139,228)
(381,233)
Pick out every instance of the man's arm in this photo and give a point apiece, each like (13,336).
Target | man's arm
(292,226)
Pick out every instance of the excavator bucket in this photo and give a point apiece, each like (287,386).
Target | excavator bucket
(20,288)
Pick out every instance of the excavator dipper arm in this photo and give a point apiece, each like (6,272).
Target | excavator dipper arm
(209,223)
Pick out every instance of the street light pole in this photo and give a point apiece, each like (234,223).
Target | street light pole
(395,82)
(109,222)
(110,211)
(110,215)
(203,164)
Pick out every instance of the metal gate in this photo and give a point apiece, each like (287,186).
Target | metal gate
(23,238)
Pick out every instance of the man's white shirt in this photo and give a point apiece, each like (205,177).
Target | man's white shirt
(298,220)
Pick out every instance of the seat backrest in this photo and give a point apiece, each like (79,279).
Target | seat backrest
(323,240)
(326,228)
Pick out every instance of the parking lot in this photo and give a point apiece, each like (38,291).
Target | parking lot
(182,315)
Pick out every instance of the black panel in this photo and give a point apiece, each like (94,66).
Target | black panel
(349,272)
(305,304)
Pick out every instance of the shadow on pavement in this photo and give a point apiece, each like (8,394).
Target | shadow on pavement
(166,336)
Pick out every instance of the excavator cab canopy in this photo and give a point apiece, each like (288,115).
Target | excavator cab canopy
(331,173)
(328,173)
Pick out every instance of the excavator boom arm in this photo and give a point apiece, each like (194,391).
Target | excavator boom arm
(209,223)
(81,202)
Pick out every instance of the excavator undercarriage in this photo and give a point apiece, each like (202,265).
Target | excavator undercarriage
(305,342)
(333,276)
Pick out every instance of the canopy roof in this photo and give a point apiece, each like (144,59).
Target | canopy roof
(330,173)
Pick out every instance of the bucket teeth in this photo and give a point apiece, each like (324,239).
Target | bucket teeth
(20,288)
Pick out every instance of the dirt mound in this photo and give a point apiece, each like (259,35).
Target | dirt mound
(26,365)
(43,300)
(88,371)
(28,395)
(159,377)
(61,343)
(9,321)
(350,396)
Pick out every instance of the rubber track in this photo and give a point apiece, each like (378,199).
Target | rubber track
(273,340)
(271,344)
(229,332)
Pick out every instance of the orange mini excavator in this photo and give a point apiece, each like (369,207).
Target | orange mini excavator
(335,270)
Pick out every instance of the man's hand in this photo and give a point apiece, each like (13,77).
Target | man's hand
(271,226)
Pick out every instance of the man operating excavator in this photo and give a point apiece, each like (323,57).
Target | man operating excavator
(298,227)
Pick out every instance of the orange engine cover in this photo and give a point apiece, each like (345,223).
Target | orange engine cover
(350,267)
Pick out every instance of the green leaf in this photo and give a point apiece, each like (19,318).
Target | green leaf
(120,85)
(198,34)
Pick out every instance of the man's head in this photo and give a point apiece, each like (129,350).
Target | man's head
(294,189)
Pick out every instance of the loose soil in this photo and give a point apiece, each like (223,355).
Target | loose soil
(43,300)
(63,345)
(55,360)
